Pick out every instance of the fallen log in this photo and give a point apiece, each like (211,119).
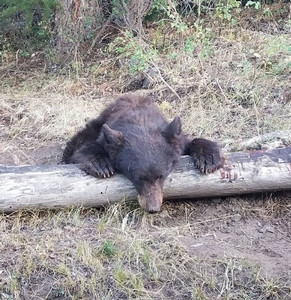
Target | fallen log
(28,187)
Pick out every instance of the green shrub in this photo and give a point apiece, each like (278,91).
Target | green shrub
(25,24)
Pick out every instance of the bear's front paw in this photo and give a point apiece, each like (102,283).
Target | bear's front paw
(92,159)
(101,167)
(206,155)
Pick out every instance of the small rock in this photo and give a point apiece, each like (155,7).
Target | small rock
(256,55)
(270,229)
(262,229)
(236,217)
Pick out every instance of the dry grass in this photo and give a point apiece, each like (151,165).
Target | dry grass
(234,85)
(120,253)
(236,95)
(31,118)
(116,254)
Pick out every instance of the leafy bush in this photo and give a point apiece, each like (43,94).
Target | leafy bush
(25,24)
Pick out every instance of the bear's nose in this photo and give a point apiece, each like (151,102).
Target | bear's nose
(153,211)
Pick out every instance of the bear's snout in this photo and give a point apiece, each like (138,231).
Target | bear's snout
(151,198)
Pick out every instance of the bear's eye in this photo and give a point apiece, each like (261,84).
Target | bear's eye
(159,177)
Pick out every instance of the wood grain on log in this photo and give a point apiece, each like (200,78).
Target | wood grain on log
(28,187)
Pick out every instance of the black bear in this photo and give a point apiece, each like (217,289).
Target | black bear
(131,136)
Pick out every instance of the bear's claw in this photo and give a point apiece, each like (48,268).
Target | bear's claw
(206,155)
(101,167)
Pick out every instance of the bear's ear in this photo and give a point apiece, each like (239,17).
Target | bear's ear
(173,129)
(114,140)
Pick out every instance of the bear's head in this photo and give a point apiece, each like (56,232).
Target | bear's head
(146,157)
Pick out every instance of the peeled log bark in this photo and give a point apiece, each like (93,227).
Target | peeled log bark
(28,187)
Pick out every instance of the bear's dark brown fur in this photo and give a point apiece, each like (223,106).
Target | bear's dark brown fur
(131,136)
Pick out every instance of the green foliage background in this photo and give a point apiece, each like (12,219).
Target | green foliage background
(26,23)
(30,24)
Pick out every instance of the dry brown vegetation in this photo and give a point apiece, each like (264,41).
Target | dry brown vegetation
(228,83)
